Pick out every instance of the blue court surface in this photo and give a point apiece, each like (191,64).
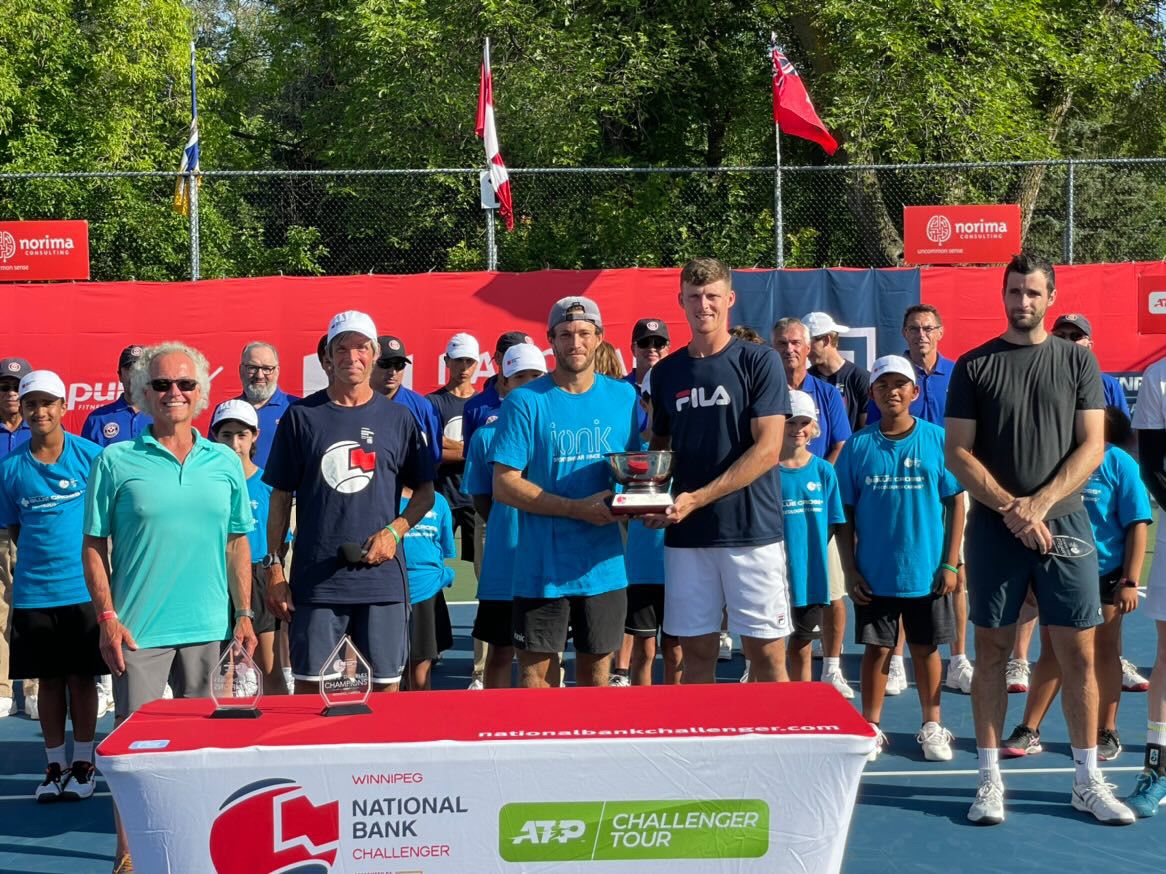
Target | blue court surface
(909,817)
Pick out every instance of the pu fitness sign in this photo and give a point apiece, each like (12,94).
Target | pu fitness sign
(33,251)
(983,234)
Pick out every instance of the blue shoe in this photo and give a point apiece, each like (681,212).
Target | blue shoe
(1149,792)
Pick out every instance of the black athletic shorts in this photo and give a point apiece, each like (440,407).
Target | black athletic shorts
(463,520)
(927,621)
(494,623)
(1001,570)
(595,622)
(645,610)
(432,633)
(264,620)
(808,622)
(55,642)
(1108,586)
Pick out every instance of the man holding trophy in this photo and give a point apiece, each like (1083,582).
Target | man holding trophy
(720,406)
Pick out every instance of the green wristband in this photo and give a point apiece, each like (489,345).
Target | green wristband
(948,567)
(393,531)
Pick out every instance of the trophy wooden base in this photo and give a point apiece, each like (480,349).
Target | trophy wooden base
(355,709)
(236,713)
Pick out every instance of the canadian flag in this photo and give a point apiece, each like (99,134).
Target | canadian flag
(792,109)
(486,129)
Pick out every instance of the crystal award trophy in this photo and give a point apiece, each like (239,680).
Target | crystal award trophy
(345,681)
(644,477)
(235,684)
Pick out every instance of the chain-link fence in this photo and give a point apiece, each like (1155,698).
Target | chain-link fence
(414,221)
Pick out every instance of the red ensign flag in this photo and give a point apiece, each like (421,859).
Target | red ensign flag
(792,109)
(499,179)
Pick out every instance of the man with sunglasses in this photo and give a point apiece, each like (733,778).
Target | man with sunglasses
(119,420)
(1075,328)
(14,433)
(387,378)
(259,375)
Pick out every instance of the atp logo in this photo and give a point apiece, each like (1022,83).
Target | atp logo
(347,467)
(272,826)
(698,397)
(546,831)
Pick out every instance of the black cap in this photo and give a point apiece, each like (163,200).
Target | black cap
(1074,320)
(14,368)
(392,347)
(510,338)
(129,356)
(650,328)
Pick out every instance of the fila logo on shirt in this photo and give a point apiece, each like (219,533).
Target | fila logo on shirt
(347,467)
(699,397)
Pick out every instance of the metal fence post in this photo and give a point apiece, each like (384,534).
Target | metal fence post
(195,255)
(1069,197)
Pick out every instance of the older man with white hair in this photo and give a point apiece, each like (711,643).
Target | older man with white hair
(259,376)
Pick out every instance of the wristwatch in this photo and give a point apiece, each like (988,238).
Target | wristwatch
(1127,583)
(249,614)
(270,559)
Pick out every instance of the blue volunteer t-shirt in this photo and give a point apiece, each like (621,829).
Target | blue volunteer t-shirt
(346,466)
(114,423)
(833,425)
(707,406)
(644,556)
(559,439)
(427,545)
(896,488)
(810,504)
(1115,499)
(47,501)
(426,416)
(259,493)
(496,580)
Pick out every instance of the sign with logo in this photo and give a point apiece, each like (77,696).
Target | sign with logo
(982,234)
(1152,304)
(44,250)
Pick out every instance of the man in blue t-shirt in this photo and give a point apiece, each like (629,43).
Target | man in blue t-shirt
(54,626)
(119,420)
(346,453)
(549,464)
(720,406)
(259,376)
(387,375)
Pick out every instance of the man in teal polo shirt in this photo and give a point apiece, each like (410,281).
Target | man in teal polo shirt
(175,508)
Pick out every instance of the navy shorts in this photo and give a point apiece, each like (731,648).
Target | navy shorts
(380,632)
(1001,570)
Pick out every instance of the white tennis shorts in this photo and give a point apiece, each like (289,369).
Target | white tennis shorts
(1156,588)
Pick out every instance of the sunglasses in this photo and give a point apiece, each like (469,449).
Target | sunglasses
(163,385)
(9,386)
(652,343)
(392,363)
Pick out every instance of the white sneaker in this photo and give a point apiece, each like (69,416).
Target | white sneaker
(1131,680)
(835,679)
(1016,675)
(167,693)
(104,701)
(620,681)
(725,652)
(988,808)
(745,676)
(881,743)
(936,742)
(476,684)
(896,679)
(959,676)
(1096,797)
(31,707)
(7,706)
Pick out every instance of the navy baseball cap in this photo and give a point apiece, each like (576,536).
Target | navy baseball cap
(14,368)
(1074,320)
(129,356)
(510,338)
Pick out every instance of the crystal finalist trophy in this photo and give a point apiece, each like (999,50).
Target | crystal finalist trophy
(645,477)
(236,685)
(345,681)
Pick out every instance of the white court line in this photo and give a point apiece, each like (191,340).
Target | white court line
(1011,772)
(459,603)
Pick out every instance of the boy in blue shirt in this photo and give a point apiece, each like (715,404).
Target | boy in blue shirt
(427,545)
(55,635)
(900,547)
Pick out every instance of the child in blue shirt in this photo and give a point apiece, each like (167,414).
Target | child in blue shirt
(427,545)
(900,547)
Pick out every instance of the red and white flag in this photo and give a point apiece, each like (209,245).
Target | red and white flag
(792,109)
(486,129)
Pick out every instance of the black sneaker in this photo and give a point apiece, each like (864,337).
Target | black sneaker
(50,790)
(1108,745)
(78,783)
(1022,742)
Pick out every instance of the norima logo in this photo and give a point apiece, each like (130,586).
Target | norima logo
(698,397)
(981,227)
(544,831)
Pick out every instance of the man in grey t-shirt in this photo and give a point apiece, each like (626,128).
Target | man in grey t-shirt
(1025,428)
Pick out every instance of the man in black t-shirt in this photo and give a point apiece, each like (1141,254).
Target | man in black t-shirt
(346,452)
(827,363)
(1025,429)
(720,406)
(461,364)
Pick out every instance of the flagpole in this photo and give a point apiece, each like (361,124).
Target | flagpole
(491,242)
(192,182)
(779,230)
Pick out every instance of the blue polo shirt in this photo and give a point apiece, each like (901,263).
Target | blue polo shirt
(169,523)
(427,419)
(47,501)
(269,416)
(932,400)
(10,440)
(832,419)
(479,408)
(1115,395)
(114,423)
(1115,499)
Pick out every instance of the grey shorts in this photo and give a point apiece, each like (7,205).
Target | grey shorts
(186,668)
(1001,570)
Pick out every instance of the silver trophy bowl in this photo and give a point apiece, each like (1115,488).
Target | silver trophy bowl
(647,471)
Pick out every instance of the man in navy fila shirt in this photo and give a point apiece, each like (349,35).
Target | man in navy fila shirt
(720,406)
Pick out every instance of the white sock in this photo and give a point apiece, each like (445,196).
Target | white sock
(831,664)
(897,663)
(1085,762)
(1156,733)
(287,674)
(989,762)
(958,659)
(56,755)
(82,751)
(105,681)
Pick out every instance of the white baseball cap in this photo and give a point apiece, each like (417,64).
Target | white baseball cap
(352,320)
(802,404)
(892,364)
(462,346)
(821,324)
(523,356)
(235,410)
(43,381)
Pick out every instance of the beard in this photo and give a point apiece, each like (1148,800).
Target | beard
(259,394)
(1024,321)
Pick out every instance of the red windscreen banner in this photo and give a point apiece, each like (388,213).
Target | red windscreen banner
(44,250)
(78,330)
(982,234)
